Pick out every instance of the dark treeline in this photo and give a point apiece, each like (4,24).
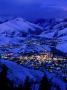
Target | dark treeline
(6,84)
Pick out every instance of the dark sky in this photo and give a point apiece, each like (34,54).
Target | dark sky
(34,8)
(62,4)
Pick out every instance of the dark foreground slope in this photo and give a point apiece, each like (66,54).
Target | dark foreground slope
(16,77)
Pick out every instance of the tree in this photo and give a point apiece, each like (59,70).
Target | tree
(45,84)
(4,81)
(27,85)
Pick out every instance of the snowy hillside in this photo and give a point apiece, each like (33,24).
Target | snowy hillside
(16,34)
(19,25)
(5,18)
(16,77)
(56,30)
(18,74)
(20,36)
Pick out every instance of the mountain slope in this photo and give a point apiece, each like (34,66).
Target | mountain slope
(19,24)
(20,36)
(56,30)
(17,77)
(16,36)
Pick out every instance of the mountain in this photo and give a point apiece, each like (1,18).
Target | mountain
(19,24)
(5,18)
(18,36)
(56,31)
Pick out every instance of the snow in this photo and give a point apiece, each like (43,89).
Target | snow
(47,35)
(18,74)
(18,24)
(62,47)
(56,81)
(58,31)
(12,33)
(63,31)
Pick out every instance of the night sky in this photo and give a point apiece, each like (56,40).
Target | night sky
(34,8)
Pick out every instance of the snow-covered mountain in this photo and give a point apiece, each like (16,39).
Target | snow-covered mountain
(20,25)
(56,30)
(5,18)
(18,35)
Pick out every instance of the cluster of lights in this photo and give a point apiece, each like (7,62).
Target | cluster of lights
(40,57)
(44,56)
